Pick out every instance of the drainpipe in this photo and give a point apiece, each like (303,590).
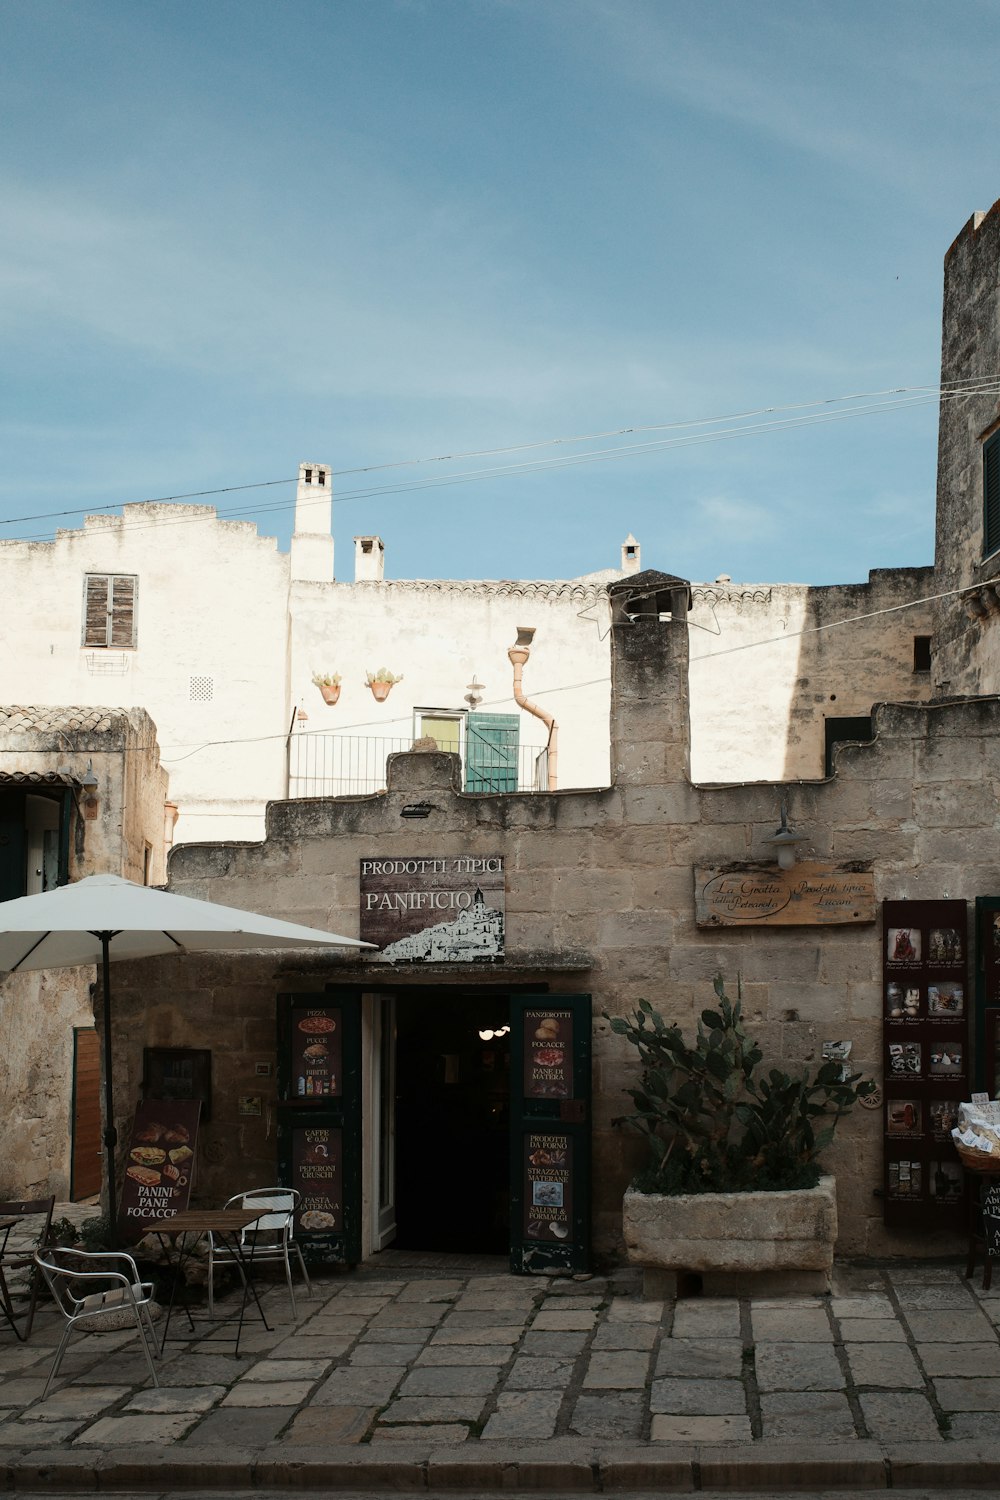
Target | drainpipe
(518,655)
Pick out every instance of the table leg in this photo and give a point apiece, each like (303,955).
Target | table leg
(246,1268)
(178,1268)
(7,1306)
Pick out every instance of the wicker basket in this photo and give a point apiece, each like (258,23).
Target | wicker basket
(977,1161)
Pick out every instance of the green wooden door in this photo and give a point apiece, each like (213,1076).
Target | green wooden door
(319,1119)
(550,1100)
(491,742)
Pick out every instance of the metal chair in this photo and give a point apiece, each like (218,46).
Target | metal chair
(98,1293)
(267,1239)
(20,1258)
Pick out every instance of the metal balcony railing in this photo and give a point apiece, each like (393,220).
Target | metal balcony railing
(346,765)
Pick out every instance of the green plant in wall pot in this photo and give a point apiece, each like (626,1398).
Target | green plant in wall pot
(381,683)
(715,1118)
(328,684)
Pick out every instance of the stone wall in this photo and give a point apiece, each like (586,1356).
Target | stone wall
(967,634)
(600,899)
(40,1011)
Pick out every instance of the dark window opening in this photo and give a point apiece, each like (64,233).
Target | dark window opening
(309,476)
(321,476)
(839,731)
(921,653)
(991,495)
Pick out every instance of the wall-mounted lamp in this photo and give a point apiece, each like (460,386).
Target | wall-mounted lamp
(783,840)
(88,786)
(474,692)
(417,810)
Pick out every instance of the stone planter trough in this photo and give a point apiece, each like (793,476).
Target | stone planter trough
(764,1243)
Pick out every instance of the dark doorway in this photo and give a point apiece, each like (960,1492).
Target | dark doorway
(452,1123)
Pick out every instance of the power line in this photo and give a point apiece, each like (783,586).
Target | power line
(535,466)
(916,396)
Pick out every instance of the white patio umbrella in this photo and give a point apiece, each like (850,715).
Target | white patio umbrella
(104,918)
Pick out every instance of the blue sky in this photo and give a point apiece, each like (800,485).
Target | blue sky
(237,235)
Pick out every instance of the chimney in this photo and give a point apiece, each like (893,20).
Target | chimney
(631,552)
(650,720)
(369,559)
(312,540)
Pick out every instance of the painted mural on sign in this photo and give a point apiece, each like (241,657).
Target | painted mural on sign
(443,909)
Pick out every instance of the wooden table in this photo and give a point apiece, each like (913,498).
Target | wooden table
(6,1306)
(228,1224)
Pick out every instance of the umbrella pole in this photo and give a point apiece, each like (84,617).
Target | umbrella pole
(110,1133)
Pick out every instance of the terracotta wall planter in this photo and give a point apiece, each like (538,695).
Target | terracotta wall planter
(330,691)
(380,690)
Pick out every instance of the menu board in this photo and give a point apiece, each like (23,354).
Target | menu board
(926,1059)
(159,1163)
(317,1052)
(317,1173)
(548,1054)
(548,1187)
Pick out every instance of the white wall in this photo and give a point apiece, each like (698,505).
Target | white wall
(211,604)
(441,636)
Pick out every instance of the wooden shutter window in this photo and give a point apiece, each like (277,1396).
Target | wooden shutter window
(122,612)
(991,495)
(109,610)
(95,631)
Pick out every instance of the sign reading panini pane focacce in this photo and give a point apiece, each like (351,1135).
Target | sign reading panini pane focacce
(434,909)
(159,1164)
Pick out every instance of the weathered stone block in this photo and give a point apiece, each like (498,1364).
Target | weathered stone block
(733,1232)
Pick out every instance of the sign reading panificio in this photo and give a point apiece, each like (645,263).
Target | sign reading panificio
(809,895)
(427,909)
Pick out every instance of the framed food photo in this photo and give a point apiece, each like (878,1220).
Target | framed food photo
(178,1073)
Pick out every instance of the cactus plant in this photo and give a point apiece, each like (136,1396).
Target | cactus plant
(714,1119)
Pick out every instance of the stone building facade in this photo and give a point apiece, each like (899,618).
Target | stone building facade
(600,899)
(81,793)
(967,552)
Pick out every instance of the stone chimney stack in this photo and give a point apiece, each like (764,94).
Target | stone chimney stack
(631,555)
(312,540)
(369,559)
(650,718)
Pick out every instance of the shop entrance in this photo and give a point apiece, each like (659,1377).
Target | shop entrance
(437,1120)
(452,1123)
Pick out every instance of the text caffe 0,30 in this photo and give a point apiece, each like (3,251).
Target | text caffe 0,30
(444,1105)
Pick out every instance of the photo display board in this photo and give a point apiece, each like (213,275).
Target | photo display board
(926,1060)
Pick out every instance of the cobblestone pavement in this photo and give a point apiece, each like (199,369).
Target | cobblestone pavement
(895,1356)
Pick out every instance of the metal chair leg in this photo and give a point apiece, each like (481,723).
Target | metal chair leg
(288,1280)
(61,1350)
(305,1274)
